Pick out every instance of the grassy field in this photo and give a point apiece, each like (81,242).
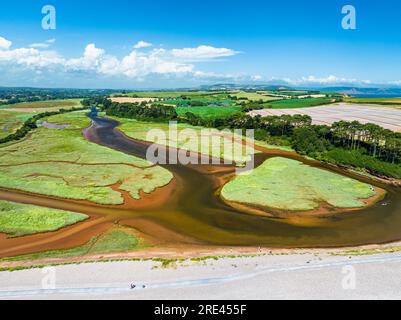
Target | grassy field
(164,94)
(208,99)
(22,219)
(118,239)
(62,163)
(254,96)
(273,146)
(298,103)
(293,93)
(286,184)
(390,101)
(41,106)
(138,130)
(10,121)
(210,112)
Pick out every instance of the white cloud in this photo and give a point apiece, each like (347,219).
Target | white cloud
(138,64)
(90,61)
(142,44)
(5,44)
(202,53)
(135,65)
(31,58)
(257,77)
(42,45)
(39,45)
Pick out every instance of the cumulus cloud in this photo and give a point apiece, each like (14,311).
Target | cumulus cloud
(31,58)
(136,65)
(94,60)
(202,53)
(142,44)
(5,44)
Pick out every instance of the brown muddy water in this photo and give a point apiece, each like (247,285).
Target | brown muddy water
(196,211)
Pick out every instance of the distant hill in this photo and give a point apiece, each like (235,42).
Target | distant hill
(365,92)
(232,86)
(351,91)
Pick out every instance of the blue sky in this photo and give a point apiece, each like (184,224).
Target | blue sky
(188,43)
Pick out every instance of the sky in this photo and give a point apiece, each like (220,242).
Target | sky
(172,43)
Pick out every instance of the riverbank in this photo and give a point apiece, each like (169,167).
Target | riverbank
(192,214)
(180,256)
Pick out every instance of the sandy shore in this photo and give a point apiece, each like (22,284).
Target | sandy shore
(303,274)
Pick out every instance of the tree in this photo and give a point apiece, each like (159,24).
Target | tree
(306,140)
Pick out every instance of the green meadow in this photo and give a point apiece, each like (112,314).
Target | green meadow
(23,219)
(387,101)
(163,94)
(298,103)
(54,105)
(117,239)
(139,130)
(289,185)
(254,96)
(210,112)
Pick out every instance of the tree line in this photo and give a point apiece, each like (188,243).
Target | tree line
(366,146)
(140,111)
(19,95)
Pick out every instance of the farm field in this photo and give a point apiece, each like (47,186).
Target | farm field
(386,101)
(210,112)
(198,94)
(10,121)
(292,93)
(23,219)
(209,100)
(298,103)
(62,163)
(386,117)
(254,96)
(163,94)
(65,103)
(289,185)
(42,106)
